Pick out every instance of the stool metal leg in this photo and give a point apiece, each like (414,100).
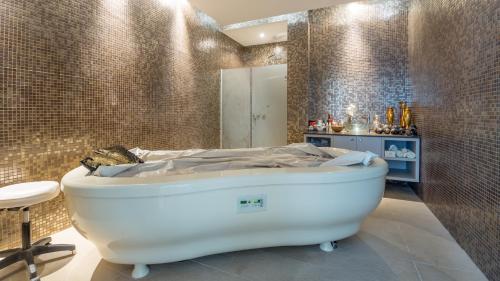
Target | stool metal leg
(9,252)
(30,261)
(39,250)
(43,242)
(26,229)
(12,259)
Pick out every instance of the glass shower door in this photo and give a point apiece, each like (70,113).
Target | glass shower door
(235,108)
(253,107)
(269,106)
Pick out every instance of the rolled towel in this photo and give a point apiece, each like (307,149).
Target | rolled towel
(399,154)
(393,148)
(411,155)
(351,158)
(370,156)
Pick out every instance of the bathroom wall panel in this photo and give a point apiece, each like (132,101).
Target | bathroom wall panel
(358,55)
(76,75)
(266,54)
(298,76)
(455,67)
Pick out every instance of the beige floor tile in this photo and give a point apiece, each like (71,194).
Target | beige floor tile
(400,191)
(308,263)
(383,238)
(434,249)
(104,273)
(264,266)
(83,265)
(384,210)
(415,214)
(433,273)
(361,265)
(190,270)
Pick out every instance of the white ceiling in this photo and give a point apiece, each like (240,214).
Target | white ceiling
(260,34)
(235,11)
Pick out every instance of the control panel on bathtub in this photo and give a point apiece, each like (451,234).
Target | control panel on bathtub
(251,203)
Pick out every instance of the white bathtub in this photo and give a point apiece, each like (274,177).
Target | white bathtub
(154,220)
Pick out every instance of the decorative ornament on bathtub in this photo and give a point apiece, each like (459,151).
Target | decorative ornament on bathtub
(110,156)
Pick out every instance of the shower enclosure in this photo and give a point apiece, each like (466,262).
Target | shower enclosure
(253,107)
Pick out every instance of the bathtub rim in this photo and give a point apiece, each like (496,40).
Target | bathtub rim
(77,183)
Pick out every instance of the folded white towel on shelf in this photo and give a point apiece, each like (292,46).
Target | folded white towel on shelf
(390,154)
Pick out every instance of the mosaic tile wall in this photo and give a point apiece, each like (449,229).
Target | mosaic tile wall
(455,67)
(358,55)
(267,54)
(75,75)
(298,76)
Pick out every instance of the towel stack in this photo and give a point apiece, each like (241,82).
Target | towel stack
(395,152)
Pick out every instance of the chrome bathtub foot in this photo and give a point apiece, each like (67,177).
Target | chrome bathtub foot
(140,271)
(328,246)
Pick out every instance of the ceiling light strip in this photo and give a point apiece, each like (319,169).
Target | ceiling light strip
(293,17)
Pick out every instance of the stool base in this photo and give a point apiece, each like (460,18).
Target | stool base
(28,255)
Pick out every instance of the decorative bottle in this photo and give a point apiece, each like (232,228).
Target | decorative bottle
(402,106)
(389,114)
(407,117)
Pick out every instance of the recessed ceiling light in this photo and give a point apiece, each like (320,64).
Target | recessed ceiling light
(262,35)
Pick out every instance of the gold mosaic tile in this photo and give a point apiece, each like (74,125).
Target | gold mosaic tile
(266,54)
(359,56)
(77,75)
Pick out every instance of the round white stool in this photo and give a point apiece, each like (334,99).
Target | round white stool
(19,197)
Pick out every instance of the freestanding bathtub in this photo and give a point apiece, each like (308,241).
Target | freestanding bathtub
(152,220)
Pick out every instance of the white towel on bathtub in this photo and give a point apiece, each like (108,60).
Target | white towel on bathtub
(351,158)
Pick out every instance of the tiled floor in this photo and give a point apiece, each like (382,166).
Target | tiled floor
(401,240)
